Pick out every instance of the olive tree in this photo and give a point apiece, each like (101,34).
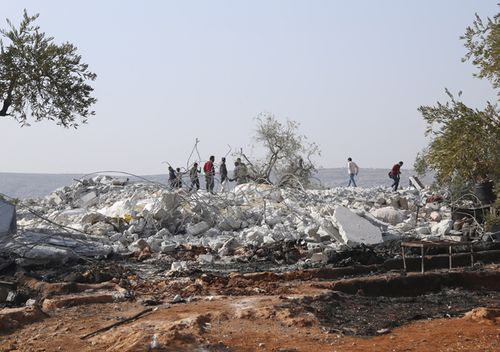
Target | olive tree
(482,41)
(288,154)
(41,79)
(465,141)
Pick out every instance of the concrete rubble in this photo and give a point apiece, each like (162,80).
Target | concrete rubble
(99,217)
(354,229)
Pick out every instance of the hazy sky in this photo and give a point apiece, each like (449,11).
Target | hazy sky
(351,72)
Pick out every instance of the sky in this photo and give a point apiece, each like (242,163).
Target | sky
(352,73)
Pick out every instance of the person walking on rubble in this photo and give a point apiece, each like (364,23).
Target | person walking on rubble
(240,172)
(209,171)
(193,175)
(178,178)
(352,170)
(395,175)
(172,177)
(223,175)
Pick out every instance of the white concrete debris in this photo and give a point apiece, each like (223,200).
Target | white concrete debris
(198,228)
(138,245)
(435,216)
(206,258)
(124,217)
(442,228)
(54,247)
(179,266)
(389,215)
(319,258)
(88,199)
(354,229)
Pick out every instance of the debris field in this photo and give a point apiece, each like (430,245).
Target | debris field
(114,265)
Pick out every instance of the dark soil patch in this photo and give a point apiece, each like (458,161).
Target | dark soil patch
(363,316)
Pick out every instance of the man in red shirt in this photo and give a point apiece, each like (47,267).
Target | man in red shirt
(209,170)
(394,174)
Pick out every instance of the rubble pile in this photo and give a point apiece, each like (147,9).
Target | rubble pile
(105,215)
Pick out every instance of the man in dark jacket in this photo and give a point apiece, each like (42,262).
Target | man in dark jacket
(223,175)
(178,181)
(209,171)
(394,174)
(172,177)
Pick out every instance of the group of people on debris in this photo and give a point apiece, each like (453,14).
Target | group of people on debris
(394,174)
(240,175)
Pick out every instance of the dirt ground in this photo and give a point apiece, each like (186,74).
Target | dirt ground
(238,325)
(267,312)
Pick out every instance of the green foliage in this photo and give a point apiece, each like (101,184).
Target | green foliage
(465,142)
(420,166)
(41,79)
(482,41)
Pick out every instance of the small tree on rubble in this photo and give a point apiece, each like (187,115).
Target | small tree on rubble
(288,154)
(42,79)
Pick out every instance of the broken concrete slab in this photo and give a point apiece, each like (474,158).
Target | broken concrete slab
(229,223)
(442,228)
(354,229)
(7,218)
(205,259)
(415,182)
(138,245)
(198,228)
(179,266)
(319,258)
(87,200)
(328,228)
(58,247)
(379,223)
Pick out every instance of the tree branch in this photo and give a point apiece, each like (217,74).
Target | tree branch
(8,100)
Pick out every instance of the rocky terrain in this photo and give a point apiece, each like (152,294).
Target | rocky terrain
(104,216)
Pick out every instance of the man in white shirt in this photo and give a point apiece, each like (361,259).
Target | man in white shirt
(353,170)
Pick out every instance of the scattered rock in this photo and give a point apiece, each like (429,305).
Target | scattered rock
(484,315)
(435,216)
(442,228)
(389,215)
(87,200)
(198,228)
